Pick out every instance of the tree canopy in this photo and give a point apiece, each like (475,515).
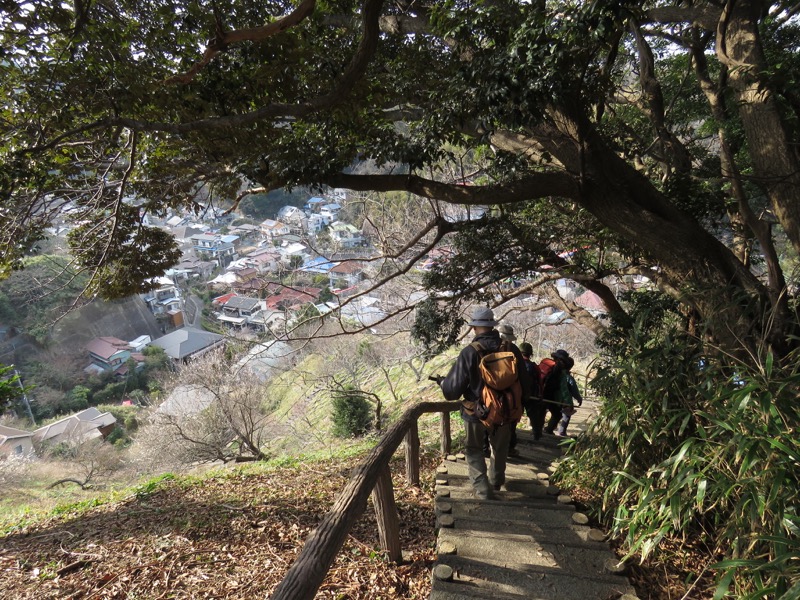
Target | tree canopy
(655,138)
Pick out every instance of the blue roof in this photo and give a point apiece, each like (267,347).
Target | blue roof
(315,200)
(319,264)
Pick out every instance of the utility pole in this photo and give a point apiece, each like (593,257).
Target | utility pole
(24,396)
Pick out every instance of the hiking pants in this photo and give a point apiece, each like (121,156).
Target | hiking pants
(534,407)
(483,482)
(555,415)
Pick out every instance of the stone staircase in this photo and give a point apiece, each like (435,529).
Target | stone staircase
(527,543)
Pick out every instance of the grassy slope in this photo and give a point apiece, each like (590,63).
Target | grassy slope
(201,519)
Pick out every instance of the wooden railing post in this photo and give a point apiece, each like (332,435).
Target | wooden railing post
(308,571)
(412,454)
(446,439)
(386,513)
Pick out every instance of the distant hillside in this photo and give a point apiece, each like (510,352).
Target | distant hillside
(125,319)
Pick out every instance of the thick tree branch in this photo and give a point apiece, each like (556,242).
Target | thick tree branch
(224,39)
(706,17)
(537,185)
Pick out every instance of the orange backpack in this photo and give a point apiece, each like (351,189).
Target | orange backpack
(500,401)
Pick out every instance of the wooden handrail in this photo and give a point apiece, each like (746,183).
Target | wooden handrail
(307,573)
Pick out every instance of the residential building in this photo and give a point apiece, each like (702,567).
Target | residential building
(237,310)
(183,345)
(269,321)
(316,223)
(290,249)
(274,229)
(109,354)
(264,260)
(313,205)
(192,267)
(15,442)
(246,232)
(165,298)
(292,298)
(346,274)
(344,235)
(330,211)
(89,424)
(214,248)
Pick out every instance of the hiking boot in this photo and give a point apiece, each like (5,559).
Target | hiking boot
(484,495)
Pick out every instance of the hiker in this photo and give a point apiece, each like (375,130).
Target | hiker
(568,392)
(552,369)
(507,333)
(534,407)
(464,380)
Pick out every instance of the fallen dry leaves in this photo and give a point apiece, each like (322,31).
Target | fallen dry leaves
(229,536)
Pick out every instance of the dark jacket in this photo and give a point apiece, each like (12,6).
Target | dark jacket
(573,389)
(464,379)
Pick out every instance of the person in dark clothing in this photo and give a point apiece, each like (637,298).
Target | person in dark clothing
(553,389)
(464,381)
(533,405)
(569,392)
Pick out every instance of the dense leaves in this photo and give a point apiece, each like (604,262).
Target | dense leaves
(696,446)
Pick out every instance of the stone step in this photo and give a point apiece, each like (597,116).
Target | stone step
(510,502)
(518,487)
(526,543)
(556,531)
(515,469)
(509,579)
(568,552)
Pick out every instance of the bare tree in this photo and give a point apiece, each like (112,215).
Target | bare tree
(217,411)
(88,462)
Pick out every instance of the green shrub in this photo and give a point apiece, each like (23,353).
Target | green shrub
(351,413)
(699,447)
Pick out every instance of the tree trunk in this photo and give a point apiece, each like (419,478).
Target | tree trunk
(772,154)
(699,269)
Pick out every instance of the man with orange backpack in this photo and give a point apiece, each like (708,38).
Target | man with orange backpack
(467,380)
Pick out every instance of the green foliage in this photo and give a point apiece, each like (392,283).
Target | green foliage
(33,297)
(351,414)
(78,399)
(436,326)
(155,359)
(702,447)
(10,388)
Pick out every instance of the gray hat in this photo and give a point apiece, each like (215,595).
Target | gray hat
(507,332)
(482,316)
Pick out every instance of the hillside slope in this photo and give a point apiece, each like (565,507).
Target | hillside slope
(231,534)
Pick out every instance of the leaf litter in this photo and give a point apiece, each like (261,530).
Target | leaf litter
(230,536)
